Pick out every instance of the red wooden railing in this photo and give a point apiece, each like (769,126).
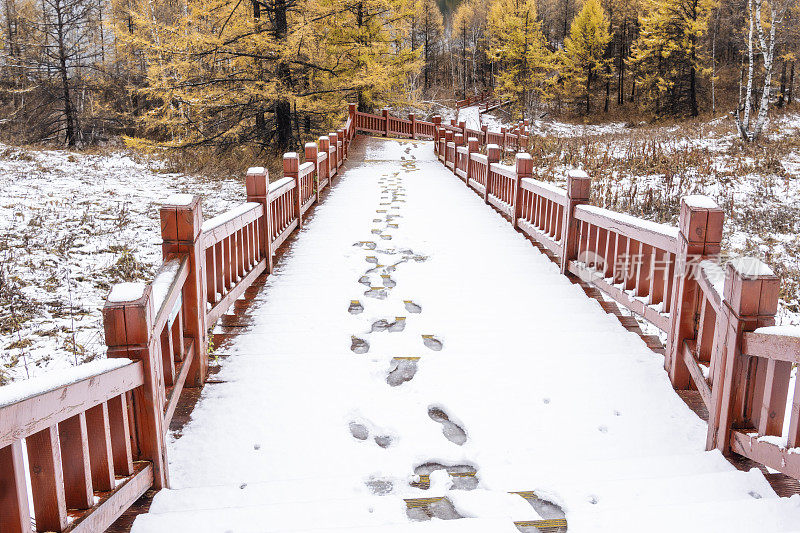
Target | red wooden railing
(96,441)
(660,273)
(473,99)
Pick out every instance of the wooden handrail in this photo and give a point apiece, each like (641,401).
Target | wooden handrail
(156,336)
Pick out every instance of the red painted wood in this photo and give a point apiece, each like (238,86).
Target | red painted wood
(47,480)
(136,342)
(98,428)
(74,440)
(14,510)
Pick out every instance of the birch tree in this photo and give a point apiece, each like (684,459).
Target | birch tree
(764,40)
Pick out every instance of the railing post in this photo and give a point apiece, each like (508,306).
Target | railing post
(448,138)
(128,322)
(311,155)
(524,169)
(472,147)
(334,139)
(458,140)
(325,148)
(413,118)
(385,113)
(742,383)
(493,155)
(291,169)
(352,111)
(484,135)
(437,121)
(343,139)
(579,187)
(504,131)
(463,126)
(181,232)
(700,227)
(14,492)
(257,184)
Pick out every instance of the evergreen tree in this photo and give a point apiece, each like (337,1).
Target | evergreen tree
(668,55)
(585,49)
(519,51)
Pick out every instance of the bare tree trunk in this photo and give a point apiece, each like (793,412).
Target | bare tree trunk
(61,37)
(783,86)
(791,85)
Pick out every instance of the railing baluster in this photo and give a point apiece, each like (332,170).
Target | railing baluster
(14,494)
(119,425)
(47,480)
(74,440)
(101,455)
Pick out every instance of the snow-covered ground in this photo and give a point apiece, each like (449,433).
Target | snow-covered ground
(440,343)
(71,225)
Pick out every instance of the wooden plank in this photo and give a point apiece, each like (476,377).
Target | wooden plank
(14,510)
(120,429)
(74,439)
(101,516)
(285,234)
(770,346)
(173,293)
(101,454)
(23,418)
(766,453)
(222,306)
(637,306)
(629,228)
(47,480)
(174,394)
(501,206)
(221,227)
(540,237)
(696,373)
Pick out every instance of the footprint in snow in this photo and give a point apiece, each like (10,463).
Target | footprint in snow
(432,343)
(411,307)
(463,476)
(452,431)
(359,346)
(544,508)
(403,370)
(388,281)
(359,431)
(355,307)
(440,508)
(381,293)
(380,487)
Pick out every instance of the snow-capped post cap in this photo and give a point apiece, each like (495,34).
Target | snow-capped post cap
(311,152)
(579,184)
(751,289)
(291,164)
(472,144)
(701,220)
(324,143)
(179,199)
(181,218)
(256,183)
(524,165)
(126,292)
(256,170)
(458,138)
(493,153)
(127,316)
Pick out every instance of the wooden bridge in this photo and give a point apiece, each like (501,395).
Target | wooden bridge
(372,346)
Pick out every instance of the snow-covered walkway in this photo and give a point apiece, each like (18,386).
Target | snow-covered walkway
(412,339)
